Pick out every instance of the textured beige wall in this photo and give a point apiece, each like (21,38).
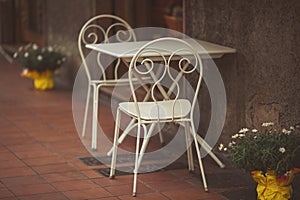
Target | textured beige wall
(64,20)
(262,78)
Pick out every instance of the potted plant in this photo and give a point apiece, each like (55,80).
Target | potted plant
(271,156)
(39,64)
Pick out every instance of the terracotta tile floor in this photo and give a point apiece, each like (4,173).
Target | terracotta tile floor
(40,147)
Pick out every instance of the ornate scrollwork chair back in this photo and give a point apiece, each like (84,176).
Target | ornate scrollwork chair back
(176,71)
(104,28)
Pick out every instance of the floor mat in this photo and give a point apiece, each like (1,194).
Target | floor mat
(128,160)
(121,172)
(144,168)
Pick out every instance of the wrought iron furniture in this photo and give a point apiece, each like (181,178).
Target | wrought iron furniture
(127,50)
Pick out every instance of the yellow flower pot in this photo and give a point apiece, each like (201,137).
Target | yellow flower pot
(272,187)
(42,80)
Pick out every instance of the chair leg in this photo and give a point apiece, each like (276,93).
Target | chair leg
(145,142)
(161,137)
(136,159)
(95,118)
(208,149)
(86,111)
(123,135)
(199,156)
(189,147)
(115,145)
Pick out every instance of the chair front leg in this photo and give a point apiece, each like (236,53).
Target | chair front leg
(208,149)
(130,126)
(136,166)
(161,137)
(199,156)
(147,136)
(87,101)
(115,145)
(189,147)
(95,117)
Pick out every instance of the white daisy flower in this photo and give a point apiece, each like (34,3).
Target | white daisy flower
(25,70)
(292,128)
(26,54)
(265,124)
(235,136)
(50,49)
(254,130)
(244,130)
(34,46)
(221,146)
(287,132)
(15,55)
(39,57)
(282,149)
(288,173)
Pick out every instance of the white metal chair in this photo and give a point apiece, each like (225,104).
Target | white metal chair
(96,30)
(173,106)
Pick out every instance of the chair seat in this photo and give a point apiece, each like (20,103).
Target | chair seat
(162,110)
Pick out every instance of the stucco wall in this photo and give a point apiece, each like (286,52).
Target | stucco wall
(64,20)
(262,78)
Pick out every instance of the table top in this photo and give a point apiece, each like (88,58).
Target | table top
(128,49)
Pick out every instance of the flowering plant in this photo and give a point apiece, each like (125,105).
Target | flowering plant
(268,149)
(34,58)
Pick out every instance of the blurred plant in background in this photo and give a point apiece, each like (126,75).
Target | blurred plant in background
(33,57)
(39,63)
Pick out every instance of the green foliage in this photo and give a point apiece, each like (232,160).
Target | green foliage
(265,150)
(32,57)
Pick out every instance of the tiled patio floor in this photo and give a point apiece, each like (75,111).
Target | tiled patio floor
(40,151)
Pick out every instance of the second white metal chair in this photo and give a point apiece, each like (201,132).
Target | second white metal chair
(99,29)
